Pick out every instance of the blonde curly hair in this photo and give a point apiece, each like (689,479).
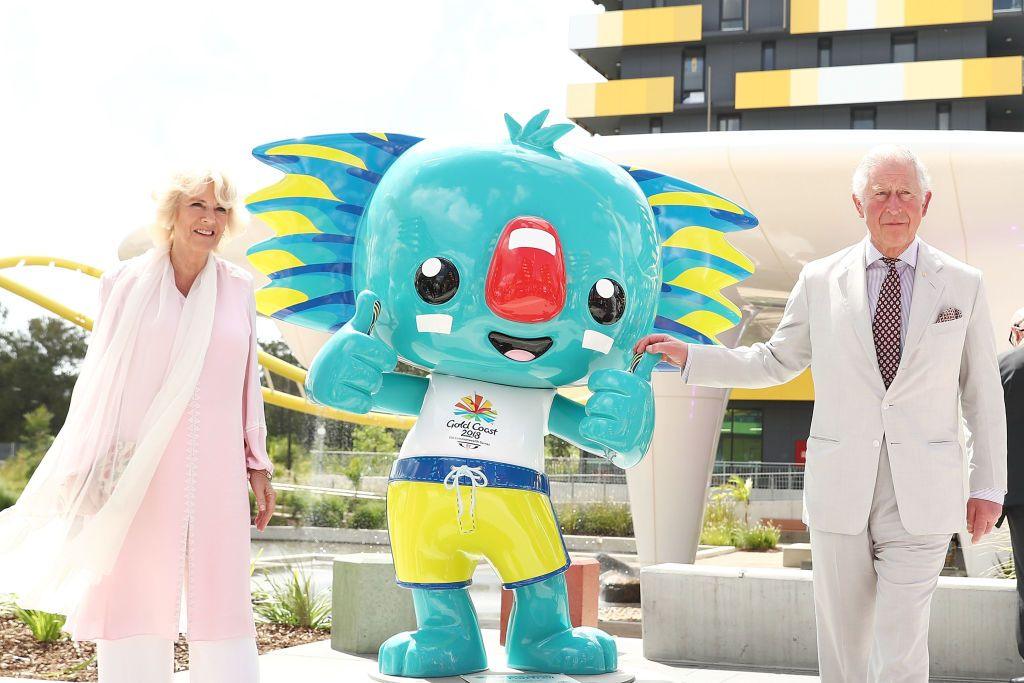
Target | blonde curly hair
(184,185)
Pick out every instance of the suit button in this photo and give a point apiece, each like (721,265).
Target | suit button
(876,444)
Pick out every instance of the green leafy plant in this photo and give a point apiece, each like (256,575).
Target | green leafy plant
(757,537)
(294,601)
(368,514)
(354,470)
(373,438)
(596,519)
(45,627)
(740,490)
(327,511)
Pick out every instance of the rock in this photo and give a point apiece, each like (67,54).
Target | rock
(617,587)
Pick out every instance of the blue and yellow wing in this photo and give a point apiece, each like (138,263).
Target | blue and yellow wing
(697,260)
(315,212)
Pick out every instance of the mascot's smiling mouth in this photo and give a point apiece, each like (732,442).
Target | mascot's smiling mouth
(519,349)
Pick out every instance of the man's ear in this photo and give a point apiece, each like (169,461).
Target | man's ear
(927,200)
(856,203)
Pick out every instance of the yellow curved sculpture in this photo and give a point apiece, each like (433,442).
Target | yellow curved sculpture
(271,363)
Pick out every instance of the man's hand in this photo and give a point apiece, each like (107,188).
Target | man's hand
(671,349)
(265,498)
(982,516)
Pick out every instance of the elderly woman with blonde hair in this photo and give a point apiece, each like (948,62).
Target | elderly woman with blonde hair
(137,520)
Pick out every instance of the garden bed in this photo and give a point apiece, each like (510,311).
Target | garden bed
(21,656)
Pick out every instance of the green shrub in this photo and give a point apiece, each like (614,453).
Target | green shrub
(368,514)
(327,511)
(757,537)
(294,601)
(718,534)
(45,627)
(354,470)
(596,519)
(373,438)
(7,499)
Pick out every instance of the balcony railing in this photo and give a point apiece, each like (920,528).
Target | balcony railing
(651,26)
(830,16)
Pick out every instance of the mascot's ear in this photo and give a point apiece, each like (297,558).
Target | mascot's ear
(315,210)
(697,261)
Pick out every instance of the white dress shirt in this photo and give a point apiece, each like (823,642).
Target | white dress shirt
(876,272)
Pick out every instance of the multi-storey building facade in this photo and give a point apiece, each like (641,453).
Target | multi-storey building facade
(696,65)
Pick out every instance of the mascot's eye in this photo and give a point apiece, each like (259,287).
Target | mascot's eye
(437,280)
(607,301)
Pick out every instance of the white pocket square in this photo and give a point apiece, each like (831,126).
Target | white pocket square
(949,314)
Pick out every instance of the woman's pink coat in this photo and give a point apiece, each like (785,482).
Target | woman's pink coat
(192,528)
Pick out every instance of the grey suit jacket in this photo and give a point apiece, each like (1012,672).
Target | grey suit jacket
(945,367)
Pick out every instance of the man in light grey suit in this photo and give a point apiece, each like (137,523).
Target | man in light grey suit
(898,338)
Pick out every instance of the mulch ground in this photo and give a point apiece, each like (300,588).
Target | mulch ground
(21,656)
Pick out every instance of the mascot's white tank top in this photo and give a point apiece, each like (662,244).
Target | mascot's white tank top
(473,419)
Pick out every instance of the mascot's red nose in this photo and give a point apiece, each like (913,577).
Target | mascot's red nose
(526,281)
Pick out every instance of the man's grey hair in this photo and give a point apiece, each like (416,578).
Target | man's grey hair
(881,154)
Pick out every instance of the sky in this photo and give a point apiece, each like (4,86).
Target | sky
(100,101)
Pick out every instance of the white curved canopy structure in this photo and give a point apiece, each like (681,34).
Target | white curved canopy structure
(798,184)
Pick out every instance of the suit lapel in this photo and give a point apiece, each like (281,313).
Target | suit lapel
(853,284)
(928,286)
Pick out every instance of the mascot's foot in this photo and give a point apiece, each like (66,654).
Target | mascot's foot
(575,651)
(447,643)
(541,637)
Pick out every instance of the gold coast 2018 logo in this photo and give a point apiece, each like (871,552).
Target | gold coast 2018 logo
(476,408)
(474,416)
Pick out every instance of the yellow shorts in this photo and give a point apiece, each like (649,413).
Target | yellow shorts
(445,514)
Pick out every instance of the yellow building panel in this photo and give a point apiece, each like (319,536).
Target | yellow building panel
(832,15)
(761,89)
(582,100)
(635,96)
(661,25)
(803,16)
(803,87)
(799,389)
(933,80)
(992,76)
(609,29)
(931,12)
(827,16)
(890,13)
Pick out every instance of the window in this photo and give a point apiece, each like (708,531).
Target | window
(656,124)
(732,15)
(740,440)
(728,122)
(824,52)
(693,76)
(768,55)
(657,3)
(1008,5)
(943,116)
(904,47)
(862,118)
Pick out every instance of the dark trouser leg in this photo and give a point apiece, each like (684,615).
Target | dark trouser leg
(1015,518)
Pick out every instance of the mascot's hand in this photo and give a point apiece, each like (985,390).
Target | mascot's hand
(620,414)
(350,367)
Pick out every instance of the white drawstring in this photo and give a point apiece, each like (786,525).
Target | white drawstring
(453,481)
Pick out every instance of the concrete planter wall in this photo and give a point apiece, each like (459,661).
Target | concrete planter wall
(764,619)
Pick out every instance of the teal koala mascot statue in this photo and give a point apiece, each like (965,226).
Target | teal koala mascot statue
(507,272)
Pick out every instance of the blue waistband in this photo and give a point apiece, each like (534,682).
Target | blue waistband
(499,474)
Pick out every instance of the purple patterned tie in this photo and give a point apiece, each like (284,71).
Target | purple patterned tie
(886,327)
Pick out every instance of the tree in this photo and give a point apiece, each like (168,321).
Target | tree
(38,367)
(36,440)
(372,438)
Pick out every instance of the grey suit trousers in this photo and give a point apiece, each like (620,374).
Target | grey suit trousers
(872,594)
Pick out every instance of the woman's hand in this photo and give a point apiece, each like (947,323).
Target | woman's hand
(265,497)
(671,349)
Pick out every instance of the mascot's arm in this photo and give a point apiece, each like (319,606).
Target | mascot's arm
(618,420)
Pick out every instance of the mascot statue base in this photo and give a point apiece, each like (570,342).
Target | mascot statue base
(506,271)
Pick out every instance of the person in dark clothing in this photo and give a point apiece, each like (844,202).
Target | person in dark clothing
(1011,369)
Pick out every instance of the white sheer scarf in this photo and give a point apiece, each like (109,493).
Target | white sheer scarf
(67,528)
